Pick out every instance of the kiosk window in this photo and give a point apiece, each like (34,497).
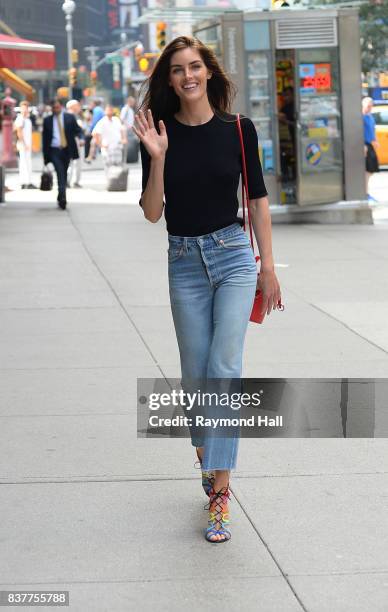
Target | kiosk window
(319,110)
(259,73)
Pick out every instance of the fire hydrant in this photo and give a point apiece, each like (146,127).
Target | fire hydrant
(7,110)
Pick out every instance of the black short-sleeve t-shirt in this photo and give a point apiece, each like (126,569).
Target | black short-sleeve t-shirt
(201,173)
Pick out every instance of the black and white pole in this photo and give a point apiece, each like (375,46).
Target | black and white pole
(68,8)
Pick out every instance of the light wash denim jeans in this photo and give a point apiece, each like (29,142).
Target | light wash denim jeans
(212,283)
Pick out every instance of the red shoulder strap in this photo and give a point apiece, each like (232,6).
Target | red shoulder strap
(245,193)
(245,201)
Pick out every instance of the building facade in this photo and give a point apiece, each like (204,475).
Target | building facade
(44,20)
(100,24)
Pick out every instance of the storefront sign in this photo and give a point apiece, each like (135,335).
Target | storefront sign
(113,14)
(313,153)
(315,78)
(122,17)
(129,11)
(318,128)
(22,54)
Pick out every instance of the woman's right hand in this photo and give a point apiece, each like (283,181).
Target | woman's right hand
(156,144)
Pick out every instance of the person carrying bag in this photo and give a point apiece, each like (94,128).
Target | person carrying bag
(192,162)
(109,135)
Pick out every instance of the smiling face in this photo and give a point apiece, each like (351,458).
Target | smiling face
(188,74)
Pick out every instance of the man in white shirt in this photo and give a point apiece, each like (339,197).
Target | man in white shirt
(109,135)
(74,107)
(23,128)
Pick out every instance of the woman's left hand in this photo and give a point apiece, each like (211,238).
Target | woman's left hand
(268,284)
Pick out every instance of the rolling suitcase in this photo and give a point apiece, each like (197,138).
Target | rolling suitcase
(117,171)
(117,178)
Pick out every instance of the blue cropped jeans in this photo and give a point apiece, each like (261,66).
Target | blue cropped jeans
(212,283)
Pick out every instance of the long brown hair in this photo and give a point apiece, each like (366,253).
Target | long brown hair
(161,98)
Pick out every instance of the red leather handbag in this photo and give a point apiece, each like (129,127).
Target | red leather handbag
(256,315)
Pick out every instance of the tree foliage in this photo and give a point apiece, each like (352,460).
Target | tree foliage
(374,36)
(373,31)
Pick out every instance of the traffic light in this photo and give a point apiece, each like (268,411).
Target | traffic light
(74,56)
(73,77)
(143,64)
(161,35)
(93,78)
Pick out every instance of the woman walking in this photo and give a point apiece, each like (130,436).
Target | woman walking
(191,154)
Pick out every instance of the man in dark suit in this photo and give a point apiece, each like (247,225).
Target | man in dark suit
(59,145)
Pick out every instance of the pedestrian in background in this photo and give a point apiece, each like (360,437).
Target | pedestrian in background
(60,130)
(191,154)
(370,142)
(127,116)
(110,135)
(74,107)
(87,119)
(97,114)
(23,129)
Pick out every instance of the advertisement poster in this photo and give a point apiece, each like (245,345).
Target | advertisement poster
(315,79)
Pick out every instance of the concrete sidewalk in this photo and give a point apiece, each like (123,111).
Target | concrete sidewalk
(117,521)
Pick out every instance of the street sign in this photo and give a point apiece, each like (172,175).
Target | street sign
(114,59)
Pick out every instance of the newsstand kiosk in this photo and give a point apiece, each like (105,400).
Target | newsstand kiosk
(298,74)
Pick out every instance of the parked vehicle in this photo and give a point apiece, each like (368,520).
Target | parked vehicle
(380,113)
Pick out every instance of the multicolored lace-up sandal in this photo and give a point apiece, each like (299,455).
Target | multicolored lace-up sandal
(218,516)
(207,477)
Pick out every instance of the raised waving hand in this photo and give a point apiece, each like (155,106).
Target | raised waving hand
(156,144)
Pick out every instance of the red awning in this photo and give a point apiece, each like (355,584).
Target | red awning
(22,54)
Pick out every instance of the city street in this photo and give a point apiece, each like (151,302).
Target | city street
(115,520)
